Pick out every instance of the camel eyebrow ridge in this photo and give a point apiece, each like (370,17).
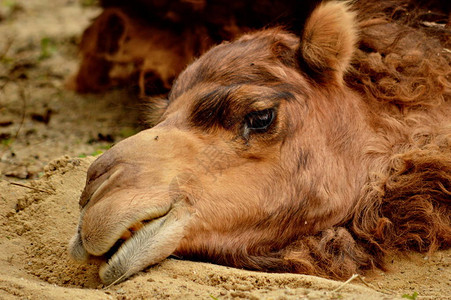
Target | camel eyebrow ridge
(217,107)
(211,108)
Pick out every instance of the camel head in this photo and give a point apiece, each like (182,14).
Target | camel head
(260,142)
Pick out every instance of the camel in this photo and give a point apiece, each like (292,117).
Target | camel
(317,153)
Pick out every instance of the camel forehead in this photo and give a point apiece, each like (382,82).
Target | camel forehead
(249,60)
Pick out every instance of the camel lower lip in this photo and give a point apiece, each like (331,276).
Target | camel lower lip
(151,244)
(120,257)
(128,235)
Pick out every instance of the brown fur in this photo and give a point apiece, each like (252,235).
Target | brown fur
(356,164)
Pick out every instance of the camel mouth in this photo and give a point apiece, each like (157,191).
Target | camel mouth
(130,233)
(126,235)
(133,239)
(143,244)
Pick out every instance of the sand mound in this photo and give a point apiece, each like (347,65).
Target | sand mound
(38,222)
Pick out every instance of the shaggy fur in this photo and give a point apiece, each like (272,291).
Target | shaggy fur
(404,75)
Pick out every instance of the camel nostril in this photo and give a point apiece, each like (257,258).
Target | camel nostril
(96,172)
(95,189)
(104,185)
(84,199)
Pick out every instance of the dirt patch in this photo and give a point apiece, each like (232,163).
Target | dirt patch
(40,121)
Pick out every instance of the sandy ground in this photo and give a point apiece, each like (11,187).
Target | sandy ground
(40,122)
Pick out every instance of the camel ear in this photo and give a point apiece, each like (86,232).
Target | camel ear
(328,41)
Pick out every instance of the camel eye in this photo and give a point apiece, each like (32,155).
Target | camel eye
(259,120)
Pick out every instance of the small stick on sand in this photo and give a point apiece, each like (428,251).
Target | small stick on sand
(29,187)
(354,276)
(364,282)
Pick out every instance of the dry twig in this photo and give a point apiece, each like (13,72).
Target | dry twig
(29,187)
(354,276)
